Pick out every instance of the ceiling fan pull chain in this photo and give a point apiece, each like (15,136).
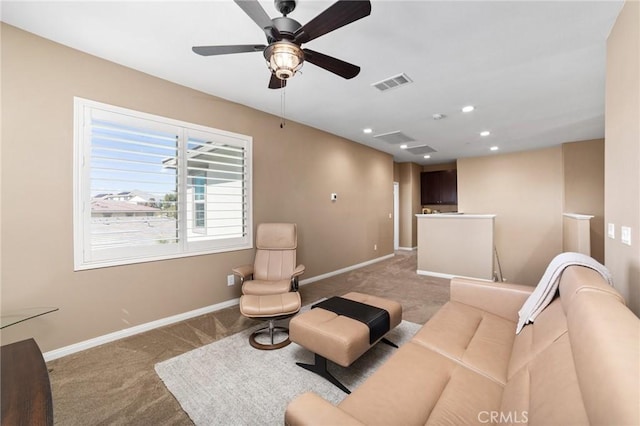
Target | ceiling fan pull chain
(282,104)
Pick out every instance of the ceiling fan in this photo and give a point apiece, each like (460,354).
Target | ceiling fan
(285,36)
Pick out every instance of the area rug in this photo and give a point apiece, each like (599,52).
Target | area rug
(230,383)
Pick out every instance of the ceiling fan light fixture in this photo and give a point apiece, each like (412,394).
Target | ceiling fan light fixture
(284,59)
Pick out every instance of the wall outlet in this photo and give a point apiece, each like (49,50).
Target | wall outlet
(625,235)
(611,231)
(375,247)
(231,280)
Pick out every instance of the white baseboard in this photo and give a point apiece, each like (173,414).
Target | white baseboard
(448,276)
(408,248)
(121,334)
(343,270)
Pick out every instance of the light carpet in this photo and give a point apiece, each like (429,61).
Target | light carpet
(230,383)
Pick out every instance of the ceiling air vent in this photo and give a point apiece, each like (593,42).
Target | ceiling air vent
(390,83)
(394,138)
(420,150)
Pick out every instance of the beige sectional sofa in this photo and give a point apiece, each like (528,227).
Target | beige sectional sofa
(577,364)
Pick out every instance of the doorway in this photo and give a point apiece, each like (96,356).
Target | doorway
(396,216)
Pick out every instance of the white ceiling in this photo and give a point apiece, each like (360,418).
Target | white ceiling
(534,70)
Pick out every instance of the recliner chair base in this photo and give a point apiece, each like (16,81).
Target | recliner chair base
(269,329)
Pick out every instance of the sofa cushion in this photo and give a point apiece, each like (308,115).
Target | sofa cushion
(547,388)
(498,298)
(425,387)
(324,413)
(536,337)
(479,340)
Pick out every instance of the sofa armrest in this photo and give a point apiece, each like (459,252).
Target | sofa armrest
(243,271)
(310,409)
(501,299)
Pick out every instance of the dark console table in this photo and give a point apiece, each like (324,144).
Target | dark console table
(26,391)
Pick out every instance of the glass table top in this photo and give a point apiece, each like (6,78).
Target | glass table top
(20,315)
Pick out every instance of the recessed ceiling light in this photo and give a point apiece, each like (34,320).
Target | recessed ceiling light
(494,148)
(427,156)
(468,108)
(403,146)
(485,133)
(367,130)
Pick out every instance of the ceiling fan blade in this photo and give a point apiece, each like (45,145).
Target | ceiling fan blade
(337,15)
(225,50)
(329,63)
(255,12)
(276,83)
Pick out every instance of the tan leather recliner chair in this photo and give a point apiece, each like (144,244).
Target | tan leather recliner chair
(274,270)
(270,285)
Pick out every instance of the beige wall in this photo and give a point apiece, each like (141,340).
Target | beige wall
(622,151)
(583,164)
(295,170)
(409,180)
(396,172)
(525,191)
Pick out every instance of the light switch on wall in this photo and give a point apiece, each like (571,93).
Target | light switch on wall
(611,231)
(625,235)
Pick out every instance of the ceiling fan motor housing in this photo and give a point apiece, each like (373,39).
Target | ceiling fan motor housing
(287,27)
(285,6)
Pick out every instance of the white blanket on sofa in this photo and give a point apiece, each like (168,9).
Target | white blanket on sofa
(546,288)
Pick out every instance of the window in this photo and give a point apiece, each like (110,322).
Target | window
(150,188)
(199,202)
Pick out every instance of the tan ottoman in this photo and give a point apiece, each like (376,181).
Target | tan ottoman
(271,308)
(339,338)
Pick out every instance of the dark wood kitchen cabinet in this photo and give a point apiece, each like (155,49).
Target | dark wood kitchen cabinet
(440,187)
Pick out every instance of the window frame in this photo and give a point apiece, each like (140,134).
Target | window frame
(84,258)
